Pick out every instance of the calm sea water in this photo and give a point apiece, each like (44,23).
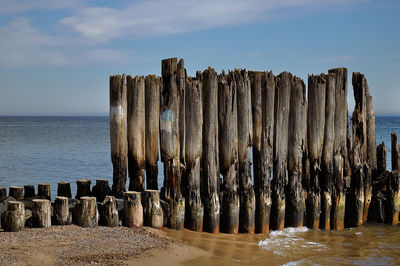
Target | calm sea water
(54,149)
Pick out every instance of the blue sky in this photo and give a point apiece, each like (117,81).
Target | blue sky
(56,56)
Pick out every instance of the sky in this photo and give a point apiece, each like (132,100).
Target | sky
(56,56)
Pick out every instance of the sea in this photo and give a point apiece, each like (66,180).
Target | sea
(53,149)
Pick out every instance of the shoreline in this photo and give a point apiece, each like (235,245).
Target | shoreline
(71,244)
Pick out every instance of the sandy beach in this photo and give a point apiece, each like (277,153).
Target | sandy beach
(66,245)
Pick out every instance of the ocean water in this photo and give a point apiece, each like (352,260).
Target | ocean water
(54,149)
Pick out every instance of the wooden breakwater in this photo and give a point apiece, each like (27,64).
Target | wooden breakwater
(307,167)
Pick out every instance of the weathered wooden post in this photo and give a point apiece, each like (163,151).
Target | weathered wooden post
(169,144)
(61,211)
(64,189)
(14,217)
(83,188)
(3,193)
(228,152)
(340,159)
(181,84)
(381,158)
(152,211)
(245,135)
(136,132)
(44,191)
(355,211)
(109,212)
(316,130)
(210,163)
(152,115)
(395,153)
(282,109)
(41,213)
(263,175)
(16,192)
(328,161)
(29,191)
(101,190)
(193,147)
(133,210)
(393,198)
(118,132)
(295,202)
(85,212)
(371,152)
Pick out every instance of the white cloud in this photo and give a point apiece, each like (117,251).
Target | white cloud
(24,45)
(160,17)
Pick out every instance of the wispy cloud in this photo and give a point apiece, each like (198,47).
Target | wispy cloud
(24,45)
(159,17)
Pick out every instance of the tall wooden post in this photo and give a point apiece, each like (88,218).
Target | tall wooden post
(395,152)
(327,163)
(381,158)
(282,109)
(193,142)
(263,175)
(181,84)
(295,202)
(169,144)
(245,133)
(152,115)
(136,132)
(316,130)
(341,160)
(228,152)
(355,211)
(210,164)
(118,134)
(371,151)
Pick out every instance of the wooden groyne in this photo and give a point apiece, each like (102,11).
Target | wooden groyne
(243,151)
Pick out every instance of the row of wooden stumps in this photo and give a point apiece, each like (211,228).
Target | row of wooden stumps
(90,210)
(307,168)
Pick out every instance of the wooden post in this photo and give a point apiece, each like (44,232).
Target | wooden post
(381,158)
(118,132)
(61,211)
(341,160)
(29,191)
(393,198)
(41,213)
(316,130)
(395,153)
(245,135)
(14,217)
(327,162)
(193,140)
(16,192)
(262,176)
(152,115)
(210,163)
(136,132)
(101,190)
(228,152)
(86,213)
(64,189)
(169,144)
(3,193)
(295,202)
(181,84)
(109,212)
(355,211)
(133,210)
(83,188)
(282,109)
(152,211)
(44,191)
